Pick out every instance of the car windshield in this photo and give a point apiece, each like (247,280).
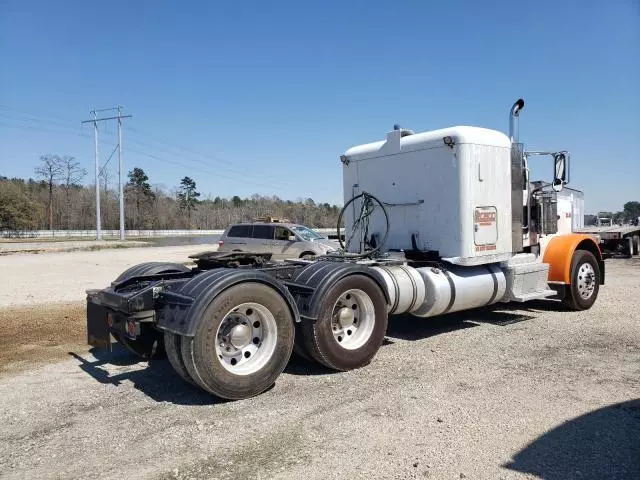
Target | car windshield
(306,233)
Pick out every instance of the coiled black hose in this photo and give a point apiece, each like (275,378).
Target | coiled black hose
(366,210)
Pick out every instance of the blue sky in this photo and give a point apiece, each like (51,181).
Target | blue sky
(263,97)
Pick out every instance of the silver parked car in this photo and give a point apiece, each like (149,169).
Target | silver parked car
(282,240)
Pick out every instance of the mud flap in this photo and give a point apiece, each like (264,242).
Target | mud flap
(97,328)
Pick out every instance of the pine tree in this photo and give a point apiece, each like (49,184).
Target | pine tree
(188,197)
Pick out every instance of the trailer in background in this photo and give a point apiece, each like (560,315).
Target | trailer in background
(616,240)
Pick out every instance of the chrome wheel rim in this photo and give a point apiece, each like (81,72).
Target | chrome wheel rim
(586,281)
(353,319)
(246,338)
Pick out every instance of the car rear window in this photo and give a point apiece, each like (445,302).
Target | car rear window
(263,231)
(240,231)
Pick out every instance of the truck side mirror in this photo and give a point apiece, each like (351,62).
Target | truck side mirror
(559,171)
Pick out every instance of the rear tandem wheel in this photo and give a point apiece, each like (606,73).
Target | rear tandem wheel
(173,346)
(351,324)
(242,343)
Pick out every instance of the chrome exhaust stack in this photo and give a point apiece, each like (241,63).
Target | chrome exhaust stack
(519,219)
(514,121)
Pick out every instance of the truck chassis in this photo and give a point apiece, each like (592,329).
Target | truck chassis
(230,324)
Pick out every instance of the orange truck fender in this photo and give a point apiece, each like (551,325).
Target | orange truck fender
(559,253)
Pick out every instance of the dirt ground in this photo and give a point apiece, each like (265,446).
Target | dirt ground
(517,391)
(40,334)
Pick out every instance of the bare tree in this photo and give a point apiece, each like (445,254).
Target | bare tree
(50,172)
(72,174)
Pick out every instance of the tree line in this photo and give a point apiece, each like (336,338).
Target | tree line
(56,199)
(630,214)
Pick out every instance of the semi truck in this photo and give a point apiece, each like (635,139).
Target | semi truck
(434,222)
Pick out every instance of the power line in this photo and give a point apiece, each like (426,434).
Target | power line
(108,160)
(173,162)
(21,118)
(246,179)
(69,123)
(202,170)
(223,164)
(214,159)
(40,129)
(243,177)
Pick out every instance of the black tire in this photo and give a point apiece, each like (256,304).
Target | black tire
(574,299)
(199,352)
(150,343)
(151,268)
(318,336)
(172,344)
(636,244)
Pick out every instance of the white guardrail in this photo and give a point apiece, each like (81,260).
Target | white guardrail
(128,233)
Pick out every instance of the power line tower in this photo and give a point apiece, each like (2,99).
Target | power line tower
(95,121)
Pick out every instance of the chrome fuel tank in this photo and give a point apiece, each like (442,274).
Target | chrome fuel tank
(459,288)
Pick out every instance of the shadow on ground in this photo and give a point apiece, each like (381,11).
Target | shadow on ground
(408,327)
(160,382)
(303,366)
(602,444)
(157,380)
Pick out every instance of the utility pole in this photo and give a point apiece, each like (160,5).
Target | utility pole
(95,121)
(97,158)
(120,179)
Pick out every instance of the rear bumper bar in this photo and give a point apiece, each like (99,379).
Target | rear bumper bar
(112,313)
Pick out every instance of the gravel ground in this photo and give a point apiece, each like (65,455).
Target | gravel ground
(501,393)
(28,279)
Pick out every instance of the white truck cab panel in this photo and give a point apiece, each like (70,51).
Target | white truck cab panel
(447,190)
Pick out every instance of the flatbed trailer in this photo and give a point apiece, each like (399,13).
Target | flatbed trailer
(616,239)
